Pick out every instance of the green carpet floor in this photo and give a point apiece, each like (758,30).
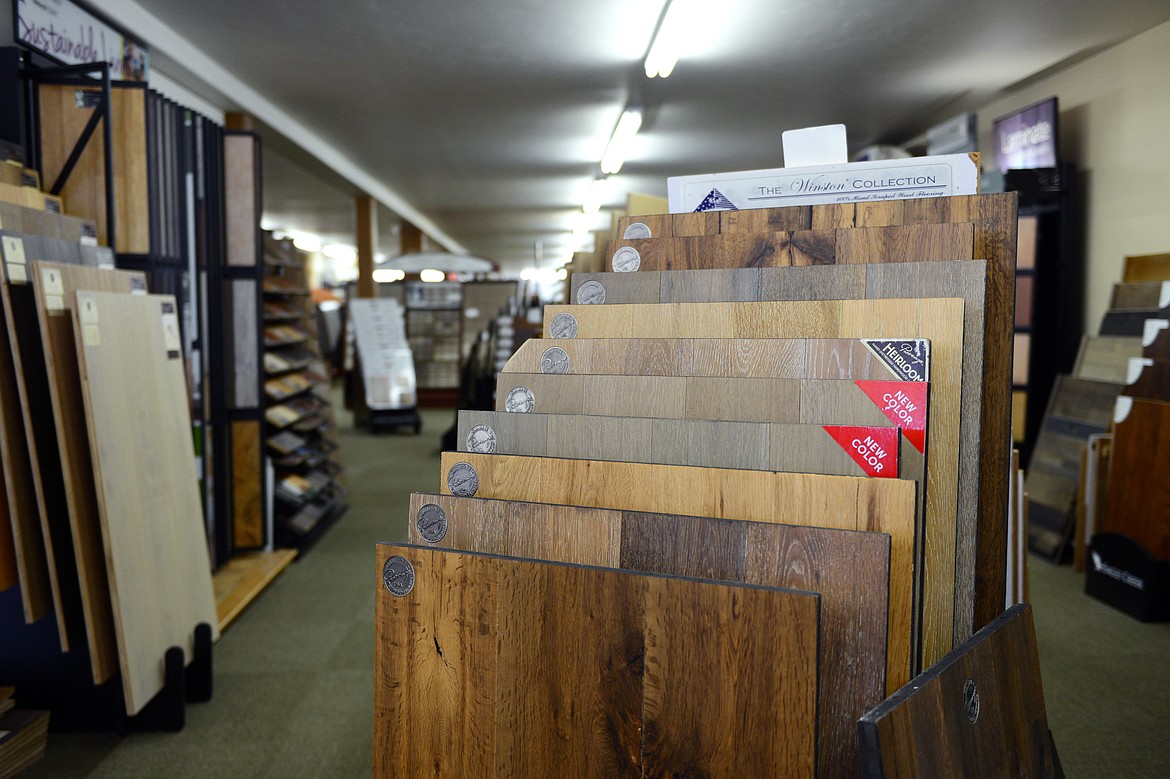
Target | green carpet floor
(294,674)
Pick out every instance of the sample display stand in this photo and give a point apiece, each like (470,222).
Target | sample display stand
(383,365)
(434,327)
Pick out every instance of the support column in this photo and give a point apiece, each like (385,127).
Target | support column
(411,238)
(367,244)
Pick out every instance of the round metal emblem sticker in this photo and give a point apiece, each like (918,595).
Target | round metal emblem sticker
(971,701)
(481,439)
(626,260)
(636,232)
(563,326)
(591,293)
(432,523)
(554,360)
(398,575)
(462,480)
(520,400)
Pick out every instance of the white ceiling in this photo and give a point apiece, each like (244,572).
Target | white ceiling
(488,117)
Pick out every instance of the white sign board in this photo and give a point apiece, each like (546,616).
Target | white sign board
(73,36)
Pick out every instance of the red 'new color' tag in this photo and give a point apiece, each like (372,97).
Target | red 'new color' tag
(875,449)
(903,403)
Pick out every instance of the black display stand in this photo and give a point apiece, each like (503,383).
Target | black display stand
(1121,573)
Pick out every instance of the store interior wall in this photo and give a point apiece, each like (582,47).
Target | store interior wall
(1114,123)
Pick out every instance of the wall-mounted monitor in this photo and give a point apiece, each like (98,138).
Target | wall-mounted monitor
(1027,138)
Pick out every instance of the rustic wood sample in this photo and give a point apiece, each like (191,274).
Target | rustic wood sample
(757,446)
(840,502)
(995,221)
(951,525)
(473,676)
(1140,296)
(1076,409)
(23,511)
(1139,475)
(1106,358)
(144,468)
(1128,322)
(55,286)
(793,248)
(1148,379)
(1146,267)
(979,712)
(849,570)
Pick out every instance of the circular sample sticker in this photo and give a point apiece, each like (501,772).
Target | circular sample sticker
(636,232)
(398,575)
(520,400)
(626,260)
(563,326)
(432,523)
(462,480)
(481,439)
(591,293)
(554,360)
(971,701)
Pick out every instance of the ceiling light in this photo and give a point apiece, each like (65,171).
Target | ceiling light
(619,144)
(306,242)
(432,275)
(339,251)
(598,189)
(669,38)
(562,274)
(388,275)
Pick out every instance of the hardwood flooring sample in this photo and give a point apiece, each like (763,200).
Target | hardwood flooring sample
(9,573)
(55,286)
(793,248)
(849,570)
(1128,322)
(841,502)
(1140,296)
(1148,379)
(1139,475)
(144,467)
(32,565)
(815,448)
(668,677)
(1146,267)
(995,221)
(979,712)
(951,524)
(1106,358)
(1156,339)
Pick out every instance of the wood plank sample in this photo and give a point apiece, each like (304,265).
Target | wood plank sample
(1139,475)
(55,286)
(472,679)
(1106,358)
(995,221)
(795,247)
(1128,322)
(849,570)
(247,485)
(951,525)
(1076,409)
(144,468)
(979,712)
(23,512)
(1148,379)
(1140,296)
(9,573)
(1146,267)
(760,446)
(841,502)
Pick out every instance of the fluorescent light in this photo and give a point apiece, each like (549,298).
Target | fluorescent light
(388,275)
(306,242)
(598,189)
(339,251)
(668,38)
(432,275)
(619,144)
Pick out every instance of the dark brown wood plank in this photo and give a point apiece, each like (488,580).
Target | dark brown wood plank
(471,678)
(979,712)
(1139,475)
(1146,267)
(1148,379)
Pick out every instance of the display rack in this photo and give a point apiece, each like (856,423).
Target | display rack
(434,328)
(301,437)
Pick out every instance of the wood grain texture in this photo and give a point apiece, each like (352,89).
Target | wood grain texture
(925,729)
(144,468)
(247,485)
(471,678)
(951,525)
(1146,267)
(1156,344)
(9,573)
(840,502)
(825,246)
(32,564)
(1106,358)
(1139,478)
(1153,381)
(68,408)
(850,570)
(1139,296)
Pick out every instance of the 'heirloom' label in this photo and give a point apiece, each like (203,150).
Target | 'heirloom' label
(875,449)
(904,403)
(908,359)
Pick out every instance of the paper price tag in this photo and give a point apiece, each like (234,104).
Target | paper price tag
(14,250)
(88,311)
(91,335)
(51,281)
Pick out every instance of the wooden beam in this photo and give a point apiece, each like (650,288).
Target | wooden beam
(411,238)
(367,244)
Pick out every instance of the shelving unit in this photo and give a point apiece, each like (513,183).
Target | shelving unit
(301,438)
(434,328)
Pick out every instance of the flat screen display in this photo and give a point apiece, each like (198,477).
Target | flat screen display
(1027,138)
